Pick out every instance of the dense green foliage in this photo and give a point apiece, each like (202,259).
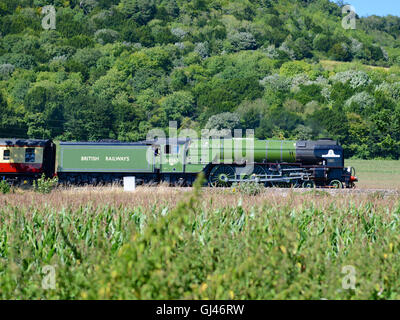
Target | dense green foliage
(275,250)
(115,69)
(44,185)
(4,187)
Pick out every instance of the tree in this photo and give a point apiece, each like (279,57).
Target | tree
(142,11)
(223,121)
(178,105)
(302,48)
(37,126)
(104,36)
(323,42)
(12,123)
(341,52)
(243,41)
(292,68)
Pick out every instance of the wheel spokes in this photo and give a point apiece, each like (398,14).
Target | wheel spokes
(220,176)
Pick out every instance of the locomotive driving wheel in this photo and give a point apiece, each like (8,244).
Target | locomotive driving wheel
(258,173)
(220,176)
(308,184)
(336,184)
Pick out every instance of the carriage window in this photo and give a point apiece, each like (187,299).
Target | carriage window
(30,155)
(6,155)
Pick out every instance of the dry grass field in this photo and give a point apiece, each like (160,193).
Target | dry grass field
(377,174)
(335,65)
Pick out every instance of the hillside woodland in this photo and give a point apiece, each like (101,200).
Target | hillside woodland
(115,69)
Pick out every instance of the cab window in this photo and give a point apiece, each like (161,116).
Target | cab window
(6,155)
(30,155)
(171,149)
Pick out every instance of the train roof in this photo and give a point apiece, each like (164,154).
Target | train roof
(91,143)
(168,141)
(23,142)
(120,143)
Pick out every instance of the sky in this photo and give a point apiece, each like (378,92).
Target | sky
(377,7)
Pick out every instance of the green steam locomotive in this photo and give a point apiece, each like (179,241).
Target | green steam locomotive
(179,161)
(223,161)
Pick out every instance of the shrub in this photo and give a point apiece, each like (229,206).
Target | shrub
(45,185)
(356,79)
(341,52)
(243,41)
(322,42)
(276,83)
(104,36)
(356,48)
(179,33)
(286,47)
(141,11)
(226,120)
(88,5)
(360,102)
(4,187)
(6,70)
(248,188)
(202,49)
(18,60)
(391,90)
(326,93)
(303,132)
(293,68)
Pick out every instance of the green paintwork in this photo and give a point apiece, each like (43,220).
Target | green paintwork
(172,162)
(192,157)
(264,151)
(281,151)
(89,158)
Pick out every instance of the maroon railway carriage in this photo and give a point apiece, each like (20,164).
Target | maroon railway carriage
(26,159)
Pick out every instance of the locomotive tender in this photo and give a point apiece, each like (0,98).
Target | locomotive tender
(179,161)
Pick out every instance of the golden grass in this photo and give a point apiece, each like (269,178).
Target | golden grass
(377,174)
(150,198)
(331,65)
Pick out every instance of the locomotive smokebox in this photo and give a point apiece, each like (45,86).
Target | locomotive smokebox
(322,152)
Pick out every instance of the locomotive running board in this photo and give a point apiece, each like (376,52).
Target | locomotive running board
(278,179)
